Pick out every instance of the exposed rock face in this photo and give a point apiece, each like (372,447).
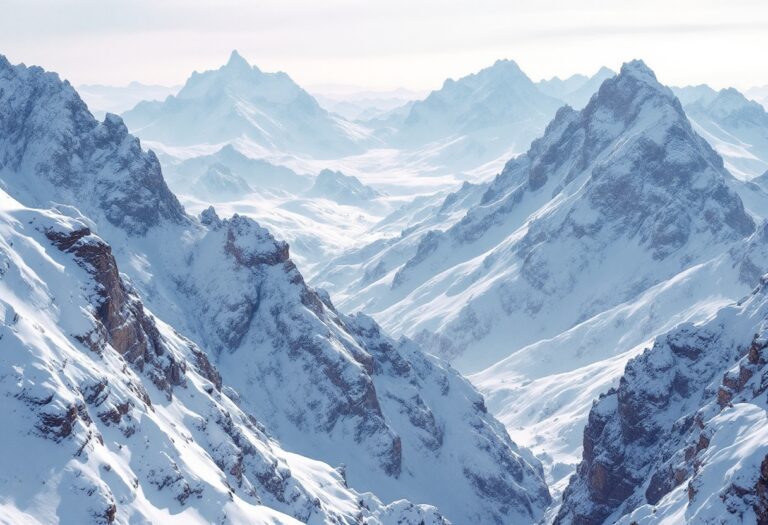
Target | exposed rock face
(306,370)
(51,146)
(110,443)
(761,493)
(121,320)
(420,412)
(665,432)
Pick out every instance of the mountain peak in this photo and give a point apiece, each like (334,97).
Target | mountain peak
(506,62)
(235,57)
(504,68)
(604,70)
(639,70)
(236,61)
(635,85)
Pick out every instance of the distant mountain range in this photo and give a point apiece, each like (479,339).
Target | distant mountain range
(758,94)
(240,101)
(735,126)
(117,99)
(575,90)
(355,104)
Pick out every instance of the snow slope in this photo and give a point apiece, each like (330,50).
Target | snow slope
(121,419)
(324,385)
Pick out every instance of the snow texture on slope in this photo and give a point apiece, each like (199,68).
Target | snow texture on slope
(121,419)
(324,385)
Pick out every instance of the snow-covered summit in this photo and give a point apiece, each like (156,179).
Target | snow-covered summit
(239,101)
(493,97)
(624,171)
(476,119)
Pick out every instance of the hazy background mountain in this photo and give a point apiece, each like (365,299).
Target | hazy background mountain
(117,99)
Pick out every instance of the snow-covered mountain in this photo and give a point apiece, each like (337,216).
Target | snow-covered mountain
(219,183)
(684,437)
(619,223)
(116,99)
(240,101)
(736,127)
(111,416)
(258,174)
(354,104)
(575,90)
(344,189)
(758,94)
(698,93)
(503,261)
(477,118)
(332,387)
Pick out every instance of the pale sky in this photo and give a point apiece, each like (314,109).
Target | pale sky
(384,44)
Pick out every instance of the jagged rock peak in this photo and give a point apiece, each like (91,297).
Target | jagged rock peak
(53,145)
(209,217)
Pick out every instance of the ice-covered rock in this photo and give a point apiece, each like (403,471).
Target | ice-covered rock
(48,136)
(684,437)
